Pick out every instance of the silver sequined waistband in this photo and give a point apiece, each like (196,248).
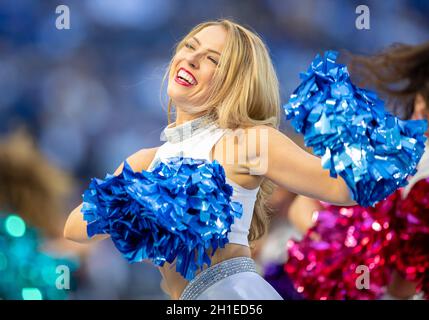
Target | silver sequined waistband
(215,273)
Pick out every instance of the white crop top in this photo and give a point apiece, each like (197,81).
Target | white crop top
(196,139)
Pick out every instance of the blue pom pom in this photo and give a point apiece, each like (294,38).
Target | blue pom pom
(373,151)
(177,211)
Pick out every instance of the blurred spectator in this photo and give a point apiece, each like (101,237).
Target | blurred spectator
(32,197)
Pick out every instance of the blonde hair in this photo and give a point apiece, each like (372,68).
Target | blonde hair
(245,93)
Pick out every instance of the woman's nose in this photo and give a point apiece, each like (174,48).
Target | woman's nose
(193,60)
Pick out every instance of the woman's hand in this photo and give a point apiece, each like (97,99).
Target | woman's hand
(282,161)
(75,228)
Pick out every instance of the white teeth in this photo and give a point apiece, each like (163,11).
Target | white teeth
(183,74)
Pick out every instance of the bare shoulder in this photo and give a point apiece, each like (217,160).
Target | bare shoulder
(271,134)
(261,129)
(260,137)
(139,160)
(257,130)
(144,156)
(253,139)
(253,131)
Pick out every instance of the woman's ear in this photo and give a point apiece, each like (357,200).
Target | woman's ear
(420,108)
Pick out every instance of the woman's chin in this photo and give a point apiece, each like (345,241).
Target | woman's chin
(178,95)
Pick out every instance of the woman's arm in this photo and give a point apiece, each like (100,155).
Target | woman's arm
(291,167)
(75,228)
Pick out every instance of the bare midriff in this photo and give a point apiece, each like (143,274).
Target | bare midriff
(175,283)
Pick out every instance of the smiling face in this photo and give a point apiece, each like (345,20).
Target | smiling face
(193,67)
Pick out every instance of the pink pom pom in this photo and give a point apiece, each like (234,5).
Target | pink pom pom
(412,217)
(324,265)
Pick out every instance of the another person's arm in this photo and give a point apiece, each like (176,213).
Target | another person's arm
(301,211)
(75,227)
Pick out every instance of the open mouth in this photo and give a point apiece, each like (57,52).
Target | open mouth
(185,78)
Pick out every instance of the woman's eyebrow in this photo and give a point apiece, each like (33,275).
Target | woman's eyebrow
(210,50)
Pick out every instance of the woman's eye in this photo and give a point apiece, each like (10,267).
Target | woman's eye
(213,60)
(187,45)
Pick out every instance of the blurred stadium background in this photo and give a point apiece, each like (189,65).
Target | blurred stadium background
(90,96)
